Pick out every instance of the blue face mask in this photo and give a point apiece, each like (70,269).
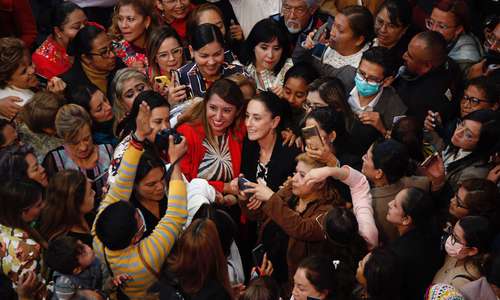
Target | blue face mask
(364,88)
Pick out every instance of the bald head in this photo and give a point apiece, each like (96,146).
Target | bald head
(432,46)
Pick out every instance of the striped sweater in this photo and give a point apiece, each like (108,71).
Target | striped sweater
(156,247)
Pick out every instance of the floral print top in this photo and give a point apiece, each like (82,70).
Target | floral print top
(51,59)
(130,54)
(19,254)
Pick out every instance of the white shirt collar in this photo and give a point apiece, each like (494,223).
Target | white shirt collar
(356,106)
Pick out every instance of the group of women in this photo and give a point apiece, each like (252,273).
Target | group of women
(347,213)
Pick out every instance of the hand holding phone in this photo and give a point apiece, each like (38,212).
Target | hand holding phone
(312,137)
(241,183)
(322,30)
(163,80)
(429,159)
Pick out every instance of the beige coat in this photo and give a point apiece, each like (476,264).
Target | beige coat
(381,196)
(456,274)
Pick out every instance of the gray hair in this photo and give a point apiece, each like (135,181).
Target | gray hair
(310,3)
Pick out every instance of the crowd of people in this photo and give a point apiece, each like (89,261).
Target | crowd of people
(257,150)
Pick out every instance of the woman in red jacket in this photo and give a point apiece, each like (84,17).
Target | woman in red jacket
(214,131)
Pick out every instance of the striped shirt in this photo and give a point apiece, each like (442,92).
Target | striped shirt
(156,247)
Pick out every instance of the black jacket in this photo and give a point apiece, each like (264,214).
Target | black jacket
(420,257)
(439,91)
(75,76)
(362,136)
(295,39)
(281,165)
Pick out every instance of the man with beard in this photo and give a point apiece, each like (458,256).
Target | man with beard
(299,17)
(429,80)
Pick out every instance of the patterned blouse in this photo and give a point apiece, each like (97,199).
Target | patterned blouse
(130,54)
(51,59)
(190,75)
(266,80)
(58,159)
(20,254)
(216,164)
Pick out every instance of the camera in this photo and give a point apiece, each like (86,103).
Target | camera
(161,139)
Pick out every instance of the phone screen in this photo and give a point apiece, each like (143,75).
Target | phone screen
(312,137)
(258,255)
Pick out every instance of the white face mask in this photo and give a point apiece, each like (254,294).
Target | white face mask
(454,250)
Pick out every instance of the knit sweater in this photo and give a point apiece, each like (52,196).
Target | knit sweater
(154,248)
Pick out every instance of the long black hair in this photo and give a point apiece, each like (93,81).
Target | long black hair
(265,31)
(82,43)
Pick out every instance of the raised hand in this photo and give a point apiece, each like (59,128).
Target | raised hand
(56,85)
(143,127)
(176,151)
(176,94)
(322,153)
(432,120)
(236,31)
(266,268)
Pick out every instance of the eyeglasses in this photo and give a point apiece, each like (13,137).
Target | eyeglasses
(467,133)
(173,2)
(313,106)
(473,101)
(429,24)
(174,53)
(370,80)
(379,23)
(453,240)
(105,53)
(460,202)
(299,11)
(491,39)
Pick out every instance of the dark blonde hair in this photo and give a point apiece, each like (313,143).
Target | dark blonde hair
(12,52)
(40,112)
(69,120)
(327,191)
(198,258)
(197,113)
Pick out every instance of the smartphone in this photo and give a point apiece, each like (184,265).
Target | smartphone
(241,183)
(174,77)
(312,137)
(429,159)
(162,80)
(258,255)
(321,30)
